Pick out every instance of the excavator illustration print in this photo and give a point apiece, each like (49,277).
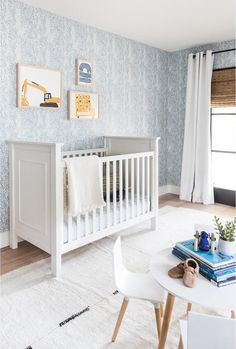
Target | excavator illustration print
(48,100)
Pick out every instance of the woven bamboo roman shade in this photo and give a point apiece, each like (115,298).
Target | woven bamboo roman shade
(223,89)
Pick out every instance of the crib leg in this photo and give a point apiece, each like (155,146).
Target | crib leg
(154,223)
(13,240)
(56,264)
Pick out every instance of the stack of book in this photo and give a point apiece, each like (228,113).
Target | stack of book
(218,268)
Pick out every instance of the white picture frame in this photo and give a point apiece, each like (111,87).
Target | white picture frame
(85,73)
(83,105)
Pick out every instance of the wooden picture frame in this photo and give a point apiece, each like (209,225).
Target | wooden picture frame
(85,73)
(38,87)
(83,105)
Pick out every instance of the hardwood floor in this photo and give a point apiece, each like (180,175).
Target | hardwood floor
(27,253)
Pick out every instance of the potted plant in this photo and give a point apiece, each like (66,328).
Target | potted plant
(227,236)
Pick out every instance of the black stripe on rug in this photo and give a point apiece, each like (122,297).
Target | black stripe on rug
(72,317)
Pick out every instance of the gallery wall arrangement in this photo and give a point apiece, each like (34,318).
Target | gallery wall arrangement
(140,90)
(40,87)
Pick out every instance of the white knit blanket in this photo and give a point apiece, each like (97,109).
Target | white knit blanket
(84,184)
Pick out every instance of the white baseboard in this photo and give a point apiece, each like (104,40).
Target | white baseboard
(165,189)
(4,239)
(169,189)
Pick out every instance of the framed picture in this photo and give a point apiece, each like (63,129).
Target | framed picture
(38,87)
(83,105)
(84,72)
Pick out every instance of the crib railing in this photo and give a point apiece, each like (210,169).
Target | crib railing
(87,152)
(127,189)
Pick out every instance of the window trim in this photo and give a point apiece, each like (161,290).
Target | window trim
(223,195)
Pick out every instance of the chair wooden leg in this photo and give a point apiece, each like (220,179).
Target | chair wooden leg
(180,343)
(233,315)
(166,320)
(158,321)
(162,310)
(189,307)
(120,318)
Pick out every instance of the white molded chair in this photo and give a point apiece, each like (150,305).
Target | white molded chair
(207,332)
(135,285)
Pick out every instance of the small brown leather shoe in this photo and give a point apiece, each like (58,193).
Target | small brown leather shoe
(177,272)
(191,271)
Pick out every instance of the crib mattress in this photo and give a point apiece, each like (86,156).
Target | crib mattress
(137,212)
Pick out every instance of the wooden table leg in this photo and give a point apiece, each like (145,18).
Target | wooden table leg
(180,343)
(166,320)
(189,307)
(233,315)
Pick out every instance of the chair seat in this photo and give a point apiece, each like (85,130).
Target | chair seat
(141,286)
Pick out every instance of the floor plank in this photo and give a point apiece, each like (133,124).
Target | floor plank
(27,253)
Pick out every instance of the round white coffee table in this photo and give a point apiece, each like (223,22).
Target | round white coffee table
(204,292)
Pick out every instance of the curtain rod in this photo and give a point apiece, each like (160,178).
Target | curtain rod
(215,52)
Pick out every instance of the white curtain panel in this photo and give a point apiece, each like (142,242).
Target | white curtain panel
(196,177)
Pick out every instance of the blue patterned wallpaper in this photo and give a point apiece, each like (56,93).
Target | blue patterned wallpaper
(141,89)
(177,79)
(130,79)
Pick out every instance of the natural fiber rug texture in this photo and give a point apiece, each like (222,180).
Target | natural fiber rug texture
(34,306)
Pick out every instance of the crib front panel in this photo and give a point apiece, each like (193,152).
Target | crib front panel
(127,193)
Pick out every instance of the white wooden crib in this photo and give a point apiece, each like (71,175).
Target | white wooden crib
(38,210)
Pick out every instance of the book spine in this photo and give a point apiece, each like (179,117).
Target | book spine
(205,273)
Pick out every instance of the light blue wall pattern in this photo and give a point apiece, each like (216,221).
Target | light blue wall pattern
(141,89)
(177,80)
(130,79)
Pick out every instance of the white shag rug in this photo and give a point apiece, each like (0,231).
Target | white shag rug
(33,304)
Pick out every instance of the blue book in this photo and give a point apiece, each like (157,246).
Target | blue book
(219,283)
(213,260)
(217,275)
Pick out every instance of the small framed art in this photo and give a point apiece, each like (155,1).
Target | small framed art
(38,87)
(83,105)
(84,72)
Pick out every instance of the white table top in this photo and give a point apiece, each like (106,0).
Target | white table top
(203,293)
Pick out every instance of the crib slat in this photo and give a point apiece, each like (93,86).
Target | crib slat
(86,218)
(143,185)
(94,221)
(138,186)
(114,192)
(78,227)
(101,218)
(132,188)
(121,189)
(126,189)
(70,227)
(148,181)
(108,192)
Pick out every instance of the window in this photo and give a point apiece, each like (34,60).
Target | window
(223,133)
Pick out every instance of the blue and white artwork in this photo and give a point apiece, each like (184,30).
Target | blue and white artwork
(84,73)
